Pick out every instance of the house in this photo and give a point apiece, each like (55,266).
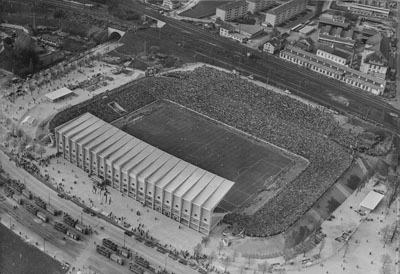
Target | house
(274,45)
(50,40)
(333,20)
(240,32)
(336,35)
(376,55)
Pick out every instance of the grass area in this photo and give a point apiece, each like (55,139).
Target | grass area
(211,146)
(203,9)
(16,256)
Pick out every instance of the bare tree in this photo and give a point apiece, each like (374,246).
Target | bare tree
(235,253)
(205,241)
(197,250)
(40,150)
(241,269)
(263,267)
(386,264)
(212,257)
(220,247)
(227,261)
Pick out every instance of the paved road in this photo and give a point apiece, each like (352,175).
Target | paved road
(38,188)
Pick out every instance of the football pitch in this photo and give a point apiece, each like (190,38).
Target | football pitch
(252,164)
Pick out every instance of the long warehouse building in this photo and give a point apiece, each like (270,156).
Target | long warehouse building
(161,181)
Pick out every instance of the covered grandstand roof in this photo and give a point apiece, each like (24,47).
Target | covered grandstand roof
(371,200)
(59,94)
(140,159)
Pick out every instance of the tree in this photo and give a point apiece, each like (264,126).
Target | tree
(386,264)
(197,250)
(242,268)
(235,253)
(205,240)
(40,150)
(212,257)
(220,247)
(59,14)
(264,267)
(227,261)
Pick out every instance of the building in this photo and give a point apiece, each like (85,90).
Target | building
(339,56)
(376,55)
(333,70)
(240,32)
(368,11)
(171,4)
(156,179)
(274,45)
(371,201)
(258,5)
(374,3)
(333,20)
(50,40)
(59,94)
(284,12)
(307,30)
(336,35)
(232,10)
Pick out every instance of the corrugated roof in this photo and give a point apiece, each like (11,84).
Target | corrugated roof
(59,93)
(102,134)
(208,191)
(285,6)
(371,200)
(163,170)
(218,195)
(182,179)
(90,129)
(73,123)
(134,156)
(80,127)
(115,137)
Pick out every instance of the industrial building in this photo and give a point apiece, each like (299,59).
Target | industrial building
(173,187)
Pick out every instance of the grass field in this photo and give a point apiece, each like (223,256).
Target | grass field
(210,145)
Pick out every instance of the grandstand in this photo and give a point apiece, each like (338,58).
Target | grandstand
(178,189)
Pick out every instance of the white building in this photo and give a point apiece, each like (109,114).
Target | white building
(232,10)
(240,32)
(156,179)
(374,58)
(333,54)
(171,4)
(333,70)
(258,5)
(285,11)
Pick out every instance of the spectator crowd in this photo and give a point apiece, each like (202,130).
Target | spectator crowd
(302,129)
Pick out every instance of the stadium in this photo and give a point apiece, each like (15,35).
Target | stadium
(216,172)
(206,118)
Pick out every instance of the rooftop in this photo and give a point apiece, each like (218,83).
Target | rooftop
(233,5)
(285,6)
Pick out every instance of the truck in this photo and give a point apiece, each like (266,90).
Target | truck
(103,251)
(27,193)
(42,216)
(136,269)
(60,227)
(124,251)
(51,209)
(110,244)
(142,262)
(73,235)
(39,202)
(32,209)
(82,228)
(117,259)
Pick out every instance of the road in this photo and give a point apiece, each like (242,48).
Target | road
(110,231)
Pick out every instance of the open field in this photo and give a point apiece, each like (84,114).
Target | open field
(212,146)
(203,9)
